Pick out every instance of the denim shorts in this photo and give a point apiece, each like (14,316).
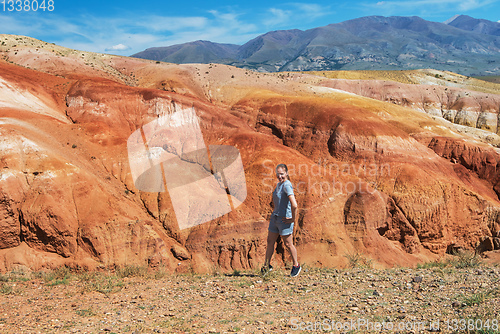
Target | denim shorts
(276,225)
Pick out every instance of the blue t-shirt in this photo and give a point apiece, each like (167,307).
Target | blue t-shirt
(282,205)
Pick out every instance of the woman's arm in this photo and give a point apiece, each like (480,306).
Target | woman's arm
(294,206)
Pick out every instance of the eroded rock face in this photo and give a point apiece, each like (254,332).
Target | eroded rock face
(422,191)
(455,104)
(483,161)
(373,178)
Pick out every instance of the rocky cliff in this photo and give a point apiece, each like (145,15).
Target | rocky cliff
(372,177)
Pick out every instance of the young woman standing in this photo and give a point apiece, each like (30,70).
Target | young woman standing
(282,220)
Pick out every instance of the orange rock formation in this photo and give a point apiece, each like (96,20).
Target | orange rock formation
(371,177)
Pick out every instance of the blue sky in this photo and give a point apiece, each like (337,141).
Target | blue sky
(126,27)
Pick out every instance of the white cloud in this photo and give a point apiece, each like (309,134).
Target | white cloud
(312,11)
(231,22)
(12,25)
(470,4)
(131,32)
(294,13)
(277,17)
(172,23)
(118,47)
(422,7)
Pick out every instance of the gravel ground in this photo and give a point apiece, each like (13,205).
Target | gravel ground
(433,299)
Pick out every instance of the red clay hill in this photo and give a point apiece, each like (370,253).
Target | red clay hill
(382,179)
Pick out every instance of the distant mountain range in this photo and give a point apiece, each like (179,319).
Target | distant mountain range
(462,44)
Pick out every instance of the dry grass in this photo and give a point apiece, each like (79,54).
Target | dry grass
(398,76)
(488,85)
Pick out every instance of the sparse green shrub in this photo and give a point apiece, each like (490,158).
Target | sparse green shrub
(100,282)
(85,312)
(57,276)
(275,274)
(160,272)
(6,289)
(16,275)
(433,264)
(357,260)
(466,259)
(64,280)
(475,299)
(132,271)
(216,270)
(61,275)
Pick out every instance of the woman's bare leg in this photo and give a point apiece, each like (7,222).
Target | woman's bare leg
(288,241)
(271,240)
